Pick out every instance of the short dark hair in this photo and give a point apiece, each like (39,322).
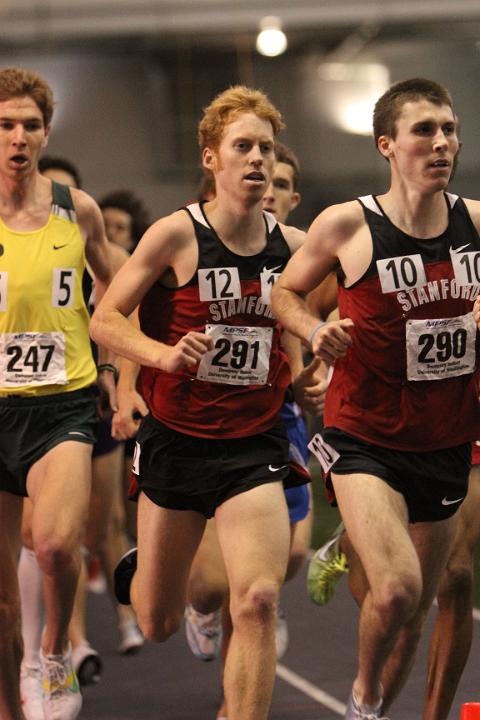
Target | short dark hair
(389,106)
(48,162)
(127,201)
(285,155)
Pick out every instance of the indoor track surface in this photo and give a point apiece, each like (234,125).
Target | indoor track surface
(165,682)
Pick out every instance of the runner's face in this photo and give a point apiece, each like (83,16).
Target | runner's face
(281,197)
(243,163)
(118,227)
(425,147)
(22,137)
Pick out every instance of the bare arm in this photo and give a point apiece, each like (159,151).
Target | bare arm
(323,299)
(98,257)
(309,383)
(158,251)
(97,248)
(473,207)
(131,405)
(318,257)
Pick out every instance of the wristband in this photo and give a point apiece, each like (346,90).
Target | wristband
(109,368)
(314,331)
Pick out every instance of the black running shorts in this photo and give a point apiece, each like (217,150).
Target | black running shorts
(434,484)
(31,426)
(184,472)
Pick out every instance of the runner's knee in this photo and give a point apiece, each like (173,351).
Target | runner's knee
(156,625)
(397,599)
(257,605)
(53,554)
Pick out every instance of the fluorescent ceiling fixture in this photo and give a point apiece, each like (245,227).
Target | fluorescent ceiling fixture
(349,93)
(356,118)
(271,40)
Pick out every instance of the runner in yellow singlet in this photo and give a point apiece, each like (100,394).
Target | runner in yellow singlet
(47,406)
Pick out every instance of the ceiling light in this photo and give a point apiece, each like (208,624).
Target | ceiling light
(271,40)
(349,92)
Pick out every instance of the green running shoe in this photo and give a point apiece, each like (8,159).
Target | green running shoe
(326,568)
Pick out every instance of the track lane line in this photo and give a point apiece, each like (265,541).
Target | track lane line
(308,688)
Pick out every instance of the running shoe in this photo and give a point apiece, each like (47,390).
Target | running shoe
(62,699)
(281,633)
(326,568)
(87,663)
(131,639)
(357,711)
(204,633)
(123,574)
(31,692)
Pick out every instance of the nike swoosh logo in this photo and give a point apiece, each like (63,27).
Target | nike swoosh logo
(271,270)
(458,250)
(59,247)
(446,501)
(276,469)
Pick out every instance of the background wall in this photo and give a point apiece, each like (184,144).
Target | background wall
(128,103)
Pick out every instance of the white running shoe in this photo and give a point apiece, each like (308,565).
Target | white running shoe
(62,699)
(131,638)
(204,633)
(356,711)
(281,633)
(31,692)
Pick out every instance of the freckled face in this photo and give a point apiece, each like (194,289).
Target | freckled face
(244,160)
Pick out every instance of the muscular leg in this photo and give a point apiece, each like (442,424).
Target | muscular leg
(11,646)
(99,512)
(253,530)
(377,522)
(167,542)
(452,634)
(106,535)
(208,584)
(59,485)
(300,535)
(432,542)
(357,580)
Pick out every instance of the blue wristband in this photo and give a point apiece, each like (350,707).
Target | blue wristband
(314,331)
